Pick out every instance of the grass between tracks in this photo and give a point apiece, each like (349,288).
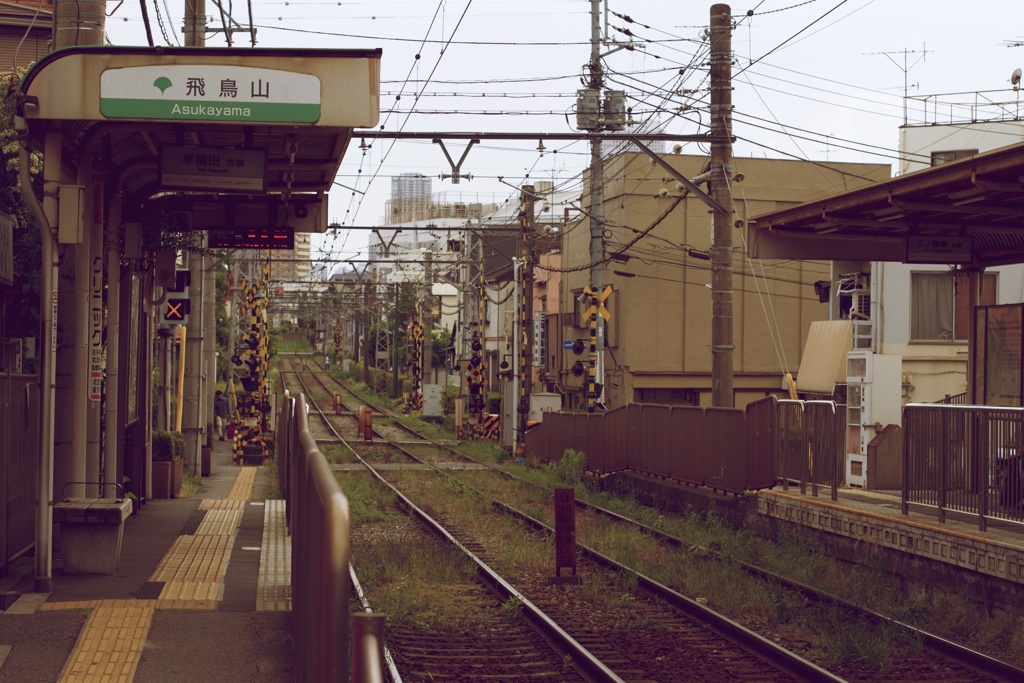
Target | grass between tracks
(830,636)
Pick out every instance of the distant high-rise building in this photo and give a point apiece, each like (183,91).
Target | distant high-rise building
(408,185)
(293,264)
(410,197)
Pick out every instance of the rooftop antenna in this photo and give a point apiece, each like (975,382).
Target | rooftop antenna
(905,68)
(1015,82)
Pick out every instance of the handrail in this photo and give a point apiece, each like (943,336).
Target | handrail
(94,483)
(318,519)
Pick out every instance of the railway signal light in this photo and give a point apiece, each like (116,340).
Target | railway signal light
(177,305)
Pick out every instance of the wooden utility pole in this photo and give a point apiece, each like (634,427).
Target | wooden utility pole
(721,191)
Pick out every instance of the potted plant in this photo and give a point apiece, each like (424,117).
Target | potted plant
(168,449)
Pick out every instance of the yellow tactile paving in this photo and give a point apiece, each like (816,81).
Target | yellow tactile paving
(221,504)
(244,482)
(110,644)
(219,523)
(274,590)
(193,569)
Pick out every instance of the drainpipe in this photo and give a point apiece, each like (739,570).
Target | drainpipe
(110,459)
(48,350)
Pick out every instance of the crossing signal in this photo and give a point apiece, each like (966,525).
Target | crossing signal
(577,369)
(176,311)
(177,305)
(577,346)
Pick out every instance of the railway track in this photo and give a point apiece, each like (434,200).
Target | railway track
(642,637)
(927,657)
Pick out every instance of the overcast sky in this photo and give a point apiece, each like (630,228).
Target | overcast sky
(818,79)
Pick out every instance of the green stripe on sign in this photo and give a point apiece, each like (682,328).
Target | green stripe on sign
(176,110)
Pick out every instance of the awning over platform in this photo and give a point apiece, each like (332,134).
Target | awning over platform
(968,212)
(222,120)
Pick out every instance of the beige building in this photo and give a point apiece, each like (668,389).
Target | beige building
(659,336)
(24,31)
(295,263)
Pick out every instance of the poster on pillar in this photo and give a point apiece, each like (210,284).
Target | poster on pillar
(97,357)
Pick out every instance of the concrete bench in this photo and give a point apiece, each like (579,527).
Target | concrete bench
(91,530)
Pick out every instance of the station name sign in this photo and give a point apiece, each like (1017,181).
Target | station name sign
(209,168)
(209,92)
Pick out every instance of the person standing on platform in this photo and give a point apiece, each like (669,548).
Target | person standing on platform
(220,412)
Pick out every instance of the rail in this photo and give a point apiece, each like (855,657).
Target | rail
(318,519)
(965,459)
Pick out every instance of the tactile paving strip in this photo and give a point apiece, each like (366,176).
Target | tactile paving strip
(111,642)
(274,590)
(244,483)
(192,571)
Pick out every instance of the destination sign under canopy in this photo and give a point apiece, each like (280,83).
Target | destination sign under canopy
(257,238)
(211,168)
(210,92)
(939,249)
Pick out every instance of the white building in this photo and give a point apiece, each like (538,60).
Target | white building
(911,321)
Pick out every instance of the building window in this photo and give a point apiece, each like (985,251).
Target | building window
(940,307)
(939,158)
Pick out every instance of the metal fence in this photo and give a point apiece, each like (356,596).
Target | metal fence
(885,460)
(318,519)
(810,445)
(699,446)
(964,458)
(19,455)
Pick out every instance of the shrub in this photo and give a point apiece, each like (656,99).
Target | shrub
(448,396)
(167,445)
(571,467)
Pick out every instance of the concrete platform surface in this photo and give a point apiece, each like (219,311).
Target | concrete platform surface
(187,602)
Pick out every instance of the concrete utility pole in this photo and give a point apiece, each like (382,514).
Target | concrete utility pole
(195,395)
(721,191)
(367,351)
(526,222)
(427,317)
(195,23)
(596,211)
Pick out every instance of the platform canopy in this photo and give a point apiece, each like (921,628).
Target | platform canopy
(968,212)
(271,124)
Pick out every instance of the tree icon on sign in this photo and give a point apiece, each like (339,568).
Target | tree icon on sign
(163,83)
